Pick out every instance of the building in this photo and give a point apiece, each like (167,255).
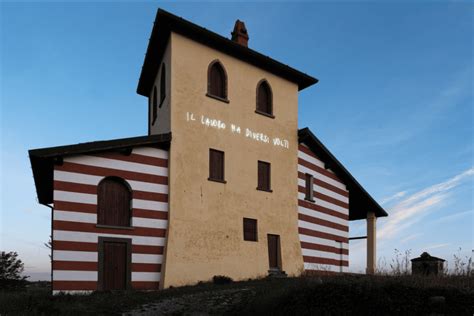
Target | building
(426,264)
(223,184)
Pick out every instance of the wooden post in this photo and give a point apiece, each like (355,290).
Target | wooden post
(371,243)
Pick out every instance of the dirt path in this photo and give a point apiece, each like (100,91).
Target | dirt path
(202,303)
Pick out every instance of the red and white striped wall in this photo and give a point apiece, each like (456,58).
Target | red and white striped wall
(75,235)
(323,225)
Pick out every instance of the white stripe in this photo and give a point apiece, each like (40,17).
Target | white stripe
(324,254)
(94,237)
(322,241)
(74,177)
(323,216)
(118,165)
(322,177)
(149,222)
(65,255)
(310,159)
(92,199)
(75,292)
(68,275)
(75,217)
(324,267)
(145,258)
(317,188)
(326,204)
(146,276)
(75,197)
(150,205)
(322,229)
(152,152)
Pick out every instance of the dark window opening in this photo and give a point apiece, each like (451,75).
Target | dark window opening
(216,165)
(155,106)
(309,195)
(264,99)
(217,81)
(162,84)
(250,229)
(263,176)
(113,202)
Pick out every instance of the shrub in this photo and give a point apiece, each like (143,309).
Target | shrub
(221,279)
(11,269)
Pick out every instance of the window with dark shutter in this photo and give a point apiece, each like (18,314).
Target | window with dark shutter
(309,187)
(250,229)
(263,176)
(216,165)
(113,202)
(162,84)
(155,106)
(217,81)
(264,99)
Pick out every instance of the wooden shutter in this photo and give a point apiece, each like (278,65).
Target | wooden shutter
(115,266)
(264,98)
(263,176)
(217,81)
(162,84)
(250,229)
(309,187)
(113,202)
(216,165)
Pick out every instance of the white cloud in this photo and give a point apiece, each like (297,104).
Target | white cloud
(436,246)
(454,216)
(396,196)
(411,209)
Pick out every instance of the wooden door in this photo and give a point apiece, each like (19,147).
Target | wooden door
(115,257)
(273,251)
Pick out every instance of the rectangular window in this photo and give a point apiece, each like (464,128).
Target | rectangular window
(216,165)
(250,229)
(309,188)
(263,176)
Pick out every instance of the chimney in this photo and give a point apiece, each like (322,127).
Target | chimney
(239,35)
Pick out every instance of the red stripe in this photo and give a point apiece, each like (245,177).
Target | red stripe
(310,232)
(137,158)
(74,246)
(318,169)
(75,265)
(92,189)
(75,207)
(74,285)
(146,267)
(308,151)
(322,222)
(92,228)
(149,214)
(333,262)
(325,197)
(105,172)
(156,250)
(325,185)
(322,209)
(308,245)
(143,285)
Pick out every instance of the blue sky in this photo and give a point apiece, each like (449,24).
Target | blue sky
(394,102)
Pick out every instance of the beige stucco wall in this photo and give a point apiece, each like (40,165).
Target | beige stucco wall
(205,236)
(162,123)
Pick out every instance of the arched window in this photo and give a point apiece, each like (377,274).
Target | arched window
(217,81)
(113,202)
(162,84)
(264,98)
(155,106)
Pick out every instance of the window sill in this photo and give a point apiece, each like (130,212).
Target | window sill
(225,100)
(217,180)
(265,190)
(250,240)
(310,200)
(115,227)
(265,114)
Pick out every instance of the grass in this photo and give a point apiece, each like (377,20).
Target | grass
(330,294)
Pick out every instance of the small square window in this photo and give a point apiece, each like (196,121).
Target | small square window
(309,193)
(250,229)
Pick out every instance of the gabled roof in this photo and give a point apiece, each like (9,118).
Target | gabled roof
(360,202)
(426,257)
(165,23)
(43,159)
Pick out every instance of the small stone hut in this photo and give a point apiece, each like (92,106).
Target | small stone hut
(427,265)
